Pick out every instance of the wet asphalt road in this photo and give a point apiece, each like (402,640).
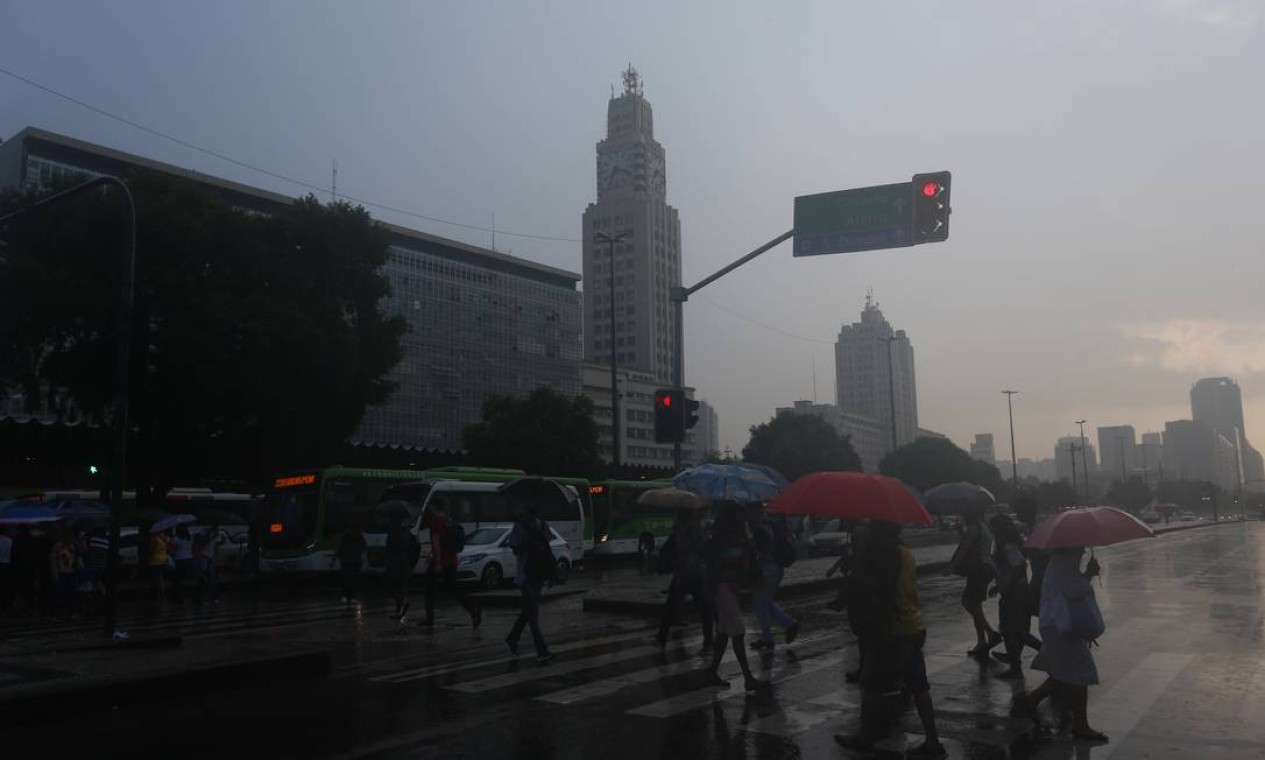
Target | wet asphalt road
(1181,663)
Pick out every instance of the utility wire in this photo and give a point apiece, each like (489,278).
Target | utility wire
(758,323)
(275,175)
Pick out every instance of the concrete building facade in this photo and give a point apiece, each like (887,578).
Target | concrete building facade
(636,411)
(1118,446)
(863,384)
(870,438)
(632,202)
(982,448)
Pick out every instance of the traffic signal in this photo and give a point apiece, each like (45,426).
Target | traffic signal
(691,414)
(669,407)
(931,207)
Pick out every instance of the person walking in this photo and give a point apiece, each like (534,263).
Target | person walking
(402,553)
(535,566)
(688,577)
(95,567)
(8,576)
(1070,624)
(973,560)
(859,595)
(181,550)
(1013,607)
(775,553)
(159,562)
(65,564)
(204,565)
(447,539)
(731,566)
(895,652)
(350,556)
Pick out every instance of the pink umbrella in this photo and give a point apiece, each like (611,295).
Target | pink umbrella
(852,496)
(1088,526)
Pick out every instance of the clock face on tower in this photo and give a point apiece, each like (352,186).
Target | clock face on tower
(614,169)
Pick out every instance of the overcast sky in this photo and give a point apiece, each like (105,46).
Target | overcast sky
(1108,160)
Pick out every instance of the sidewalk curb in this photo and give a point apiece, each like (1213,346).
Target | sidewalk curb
(72,694)
(654,608)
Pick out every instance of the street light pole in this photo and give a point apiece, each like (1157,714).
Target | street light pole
(123,349)
(610,241)
(1084,459)
(1014,460)
(891,385)
(1071,455)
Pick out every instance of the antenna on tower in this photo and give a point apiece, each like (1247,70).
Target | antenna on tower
(333,183)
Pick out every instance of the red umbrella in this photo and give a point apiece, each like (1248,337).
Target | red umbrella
(1088,526)
(852,496)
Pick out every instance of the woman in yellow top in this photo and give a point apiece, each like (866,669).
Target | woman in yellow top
(897,645)
(158,560)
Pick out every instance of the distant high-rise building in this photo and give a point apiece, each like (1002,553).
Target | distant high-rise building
(982,448)
(1063,451)
(631,201)
(1218,403)
(1117,444)
(862,381)
(1151,456)
(1041,469)
(707,432)
(1194,450)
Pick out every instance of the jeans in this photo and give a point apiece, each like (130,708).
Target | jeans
(529,615)
(768,611)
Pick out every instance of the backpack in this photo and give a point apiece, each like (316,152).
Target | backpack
(454,538)
(542,566)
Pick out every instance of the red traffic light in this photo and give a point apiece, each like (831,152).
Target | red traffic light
(931,188)
(665,400)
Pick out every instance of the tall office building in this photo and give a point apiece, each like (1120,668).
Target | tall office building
(481,323)
(982,448)
(1151,457)
(1218,403)
(1194,450)
(1118,446)
(1069,446)
(707,432)
(863,384)
(632,202)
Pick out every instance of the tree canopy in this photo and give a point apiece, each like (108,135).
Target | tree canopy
(1132,494)
(928,462)
(258,340)
(545,433)
(797,444)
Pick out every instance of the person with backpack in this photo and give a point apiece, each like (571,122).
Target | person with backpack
(775,552)
(1014,614)
(973,560)
(447,539)
(534,567)
(683,550)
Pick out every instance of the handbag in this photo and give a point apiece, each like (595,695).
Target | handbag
(1086,619)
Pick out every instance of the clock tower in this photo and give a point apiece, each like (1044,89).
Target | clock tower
(632,202)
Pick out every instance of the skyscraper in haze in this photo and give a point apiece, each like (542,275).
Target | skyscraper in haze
(1118,446)
(631,200)
(862,384)
(1218,403)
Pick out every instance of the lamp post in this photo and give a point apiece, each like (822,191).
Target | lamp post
(1014,461)
(1071,456)
(127,286)
(1084,459)
(891,385)
(610,241)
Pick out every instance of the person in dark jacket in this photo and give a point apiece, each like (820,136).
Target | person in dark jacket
(402,552)
(687,578)
(534,567)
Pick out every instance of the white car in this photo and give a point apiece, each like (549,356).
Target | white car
(488,560)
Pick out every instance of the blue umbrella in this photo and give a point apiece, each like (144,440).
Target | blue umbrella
(81,509)
(728,482)
(171,521)
(21,511)
(956,498)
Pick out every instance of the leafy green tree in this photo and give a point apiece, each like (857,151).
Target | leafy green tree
(1190,494)
(928,462)
(1132,494)
(258,341)
(546,433)
(1054,495)
(797,444)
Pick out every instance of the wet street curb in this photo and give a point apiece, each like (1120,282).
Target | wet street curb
(71,693)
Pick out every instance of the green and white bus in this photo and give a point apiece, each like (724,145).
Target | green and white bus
(621,525)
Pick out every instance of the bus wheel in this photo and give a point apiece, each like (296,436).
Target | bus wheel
(564,571)
(492,576)
(645,545)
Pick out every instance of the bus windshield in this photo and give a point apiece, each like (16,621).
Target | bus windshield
(291,515)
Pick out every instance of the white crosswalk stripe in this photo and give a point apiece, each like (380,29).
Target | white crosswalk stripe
(1117,712)
(561,668)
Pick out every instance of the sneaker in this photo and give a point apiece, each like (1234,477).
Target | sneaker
(513,645)
(792,632)
(752,683)
(1003,657)
(761,644)
(928,749)
(544,659)
(854,743)
(994,638)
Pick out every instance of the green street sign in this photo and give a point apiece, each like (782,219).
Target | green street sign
(862,219)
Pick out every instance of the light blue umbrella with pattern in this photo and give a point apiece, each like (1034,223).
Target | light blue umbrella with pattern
(728,482)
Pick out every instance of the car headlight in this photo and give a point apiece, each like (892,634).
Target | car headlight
(470,559)
(604,538)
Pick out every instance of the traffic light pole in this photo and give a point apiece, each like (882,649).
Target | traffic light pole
(127,286)
(680,295)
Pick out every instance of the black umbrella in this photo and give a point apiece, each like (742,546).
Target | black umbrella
(547,496)
(957,498)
